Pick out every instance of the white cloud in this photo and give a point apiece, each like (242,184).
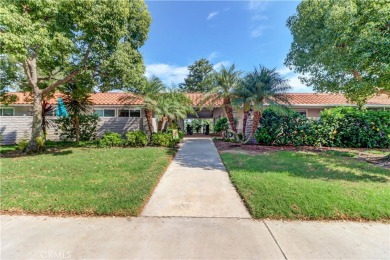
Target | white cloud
(212,55)
(294,81)
(212,14)
(224,63)
(167,73)
(259,30)
(257,9)
(284,71)
(258,5)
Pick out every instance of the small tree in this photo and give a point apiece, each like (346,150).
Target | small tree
(264,87)
(224,83)
(78,102)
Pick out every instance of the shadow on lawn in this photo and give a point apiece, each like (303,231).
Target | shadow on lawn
(333,168)
(316,166)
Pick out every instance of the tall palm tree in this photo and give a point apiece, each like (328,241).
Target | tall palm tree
(224,82)
(78,102)
(149,92)
(263,87)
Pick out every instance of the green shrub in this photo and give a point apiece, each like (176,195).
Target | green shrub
(22,144)
(41,143)
(136,139)
(162,139)
(88,127)
(222,126)
(181,134)
(350,127)
(288,129)
(110,139)
(341,127)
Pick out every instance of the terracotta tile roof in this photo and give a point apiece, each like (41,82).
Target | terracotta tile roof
(331,99)
(121,98)
(108,98)
(197,98)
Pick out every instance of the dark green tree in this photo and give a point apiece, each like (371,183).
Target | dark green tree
(197,79)
(342,46)
(52,42)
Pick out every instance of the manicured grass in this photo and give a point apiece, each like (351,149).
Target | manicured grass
(301,185)
(115,181)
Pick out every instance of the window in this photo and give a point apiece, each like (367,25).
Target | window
(129,113)
(6,111)
(302,112)
(104,112)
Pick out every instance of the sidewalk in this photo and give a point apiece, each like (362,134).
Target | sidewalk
(195,212)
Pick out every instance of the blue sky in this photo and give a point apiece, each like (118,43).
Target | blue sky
(247,33)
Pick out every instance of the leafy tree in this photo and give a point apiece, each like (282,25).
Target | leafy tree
(78,102)
(54,41)
(224,83)
(197,79)
(342,46)
(263,87)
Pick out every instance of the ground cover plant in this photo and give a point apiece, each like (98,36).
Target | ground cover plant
(91,181)
(308,185)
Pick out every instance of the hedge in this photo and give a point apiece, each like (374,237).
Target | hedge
(341,127)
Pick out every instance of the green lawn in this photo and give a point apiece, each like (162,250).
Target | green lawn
(299,185)
(116,181)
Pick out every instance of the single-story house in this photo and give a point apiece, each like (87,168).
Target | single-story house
(122,112)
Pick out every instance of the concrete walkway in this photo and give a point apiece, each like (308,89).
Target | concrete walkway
(196,184)
(194,212)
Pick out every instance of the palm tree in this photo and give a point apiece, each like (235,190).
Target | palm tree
(240,100)
(224,84)
(263,87)
(150,91)
(78,102)
(170,106)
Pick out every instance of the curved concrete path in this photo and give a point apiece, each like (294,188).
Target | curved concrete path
(196,184)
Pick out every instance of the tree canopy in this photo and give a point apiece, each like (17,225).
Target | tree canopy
(56,42)
(197,79)
(342,46)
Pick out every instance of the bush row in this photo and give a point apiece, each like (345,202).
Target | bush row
(337,127)
(139,139)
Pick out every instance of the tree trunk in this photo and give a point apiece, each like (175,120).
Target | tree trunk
(149,119)
(229,113)
(77,128)
(244,120)
(160,124)
(168,122)
(36,130)
(255,124)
